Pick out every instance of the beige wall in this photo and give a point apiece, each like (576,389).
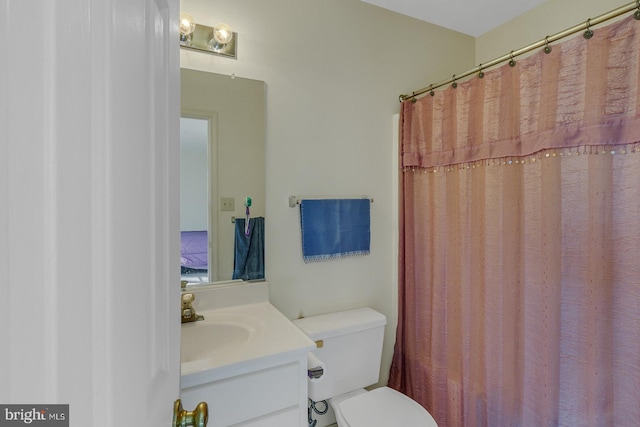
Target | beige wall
(549,18)
(333,70)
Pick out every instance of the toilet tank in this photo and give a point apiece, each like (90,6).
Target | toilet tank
(350,348)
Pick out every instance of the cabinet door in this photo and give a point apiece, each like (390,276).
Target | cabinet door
(239,399)
(286,418)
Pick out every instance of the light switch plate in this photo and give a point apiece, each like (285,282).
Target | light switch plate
(227,204)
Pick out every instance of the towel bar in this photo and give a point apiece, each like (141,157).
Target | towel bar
(295,200)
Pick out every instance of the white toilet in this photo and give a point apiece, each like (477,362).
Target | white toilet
(350,349)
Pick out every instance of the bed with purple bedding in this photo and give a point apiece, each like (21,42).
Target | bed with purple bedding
(194,257)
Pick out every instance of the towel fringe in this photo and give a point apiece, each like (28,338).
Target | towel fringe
(328,257)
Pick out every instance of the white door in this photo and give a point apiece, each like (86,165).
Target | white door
(89,205)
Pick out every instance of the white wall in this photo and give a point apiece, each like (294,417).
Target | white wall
(334,70)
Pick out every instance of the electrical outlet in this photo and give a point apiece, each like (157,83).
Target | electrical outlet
(227,204)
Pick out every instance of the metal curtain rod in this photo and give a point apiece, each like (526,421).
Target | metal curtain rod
(544,42)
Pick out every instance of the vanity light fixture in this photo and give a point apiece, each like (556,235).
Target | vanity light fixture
(217,40)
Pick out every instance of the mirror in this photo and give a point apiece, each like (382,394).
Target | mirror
(222,135)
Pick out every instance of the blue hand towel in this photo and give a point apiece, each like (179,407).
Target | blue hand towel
(334,228)
(248,260)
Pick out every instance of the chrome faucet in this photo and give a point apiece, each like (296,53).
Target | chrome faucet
(188,312)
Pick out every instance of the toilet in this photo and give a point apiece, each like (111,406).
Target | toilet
(349,349)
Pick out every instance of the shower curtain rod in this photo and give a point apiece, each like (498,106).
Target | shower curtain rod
(544,42)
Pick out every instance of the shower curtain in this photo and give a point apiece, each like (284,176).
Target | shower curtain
(519,288)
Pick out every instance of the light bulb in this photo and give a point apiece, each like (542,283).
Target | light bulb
(187,24)
(222,33)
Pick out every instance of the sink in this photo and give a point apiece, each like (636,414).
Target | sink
(207,337)
(220,334)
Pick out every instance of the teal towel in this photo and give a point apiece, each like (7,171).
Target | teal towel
(248,262)
(335,228)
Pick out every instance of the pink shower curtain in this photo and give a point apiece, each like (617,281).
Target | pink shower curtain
(520,241)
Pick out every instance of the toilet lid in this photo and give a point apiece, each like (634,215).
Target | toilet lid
(384,407)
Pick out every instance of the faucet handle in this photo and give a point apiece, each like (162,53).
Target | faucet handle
(188,312)
(187,298)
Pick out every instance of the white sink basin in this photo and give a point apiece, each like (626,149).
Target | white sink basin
(235,336)
(212,335)
(218,333)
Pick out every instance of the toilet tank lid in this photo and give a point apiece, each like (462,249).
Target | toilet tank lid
(340,323)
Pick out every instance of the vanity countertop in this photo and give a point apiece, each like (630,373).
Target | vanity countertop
(240,339)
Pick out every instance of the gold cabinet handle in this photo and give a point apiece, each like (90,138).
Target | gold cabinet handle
(197,418)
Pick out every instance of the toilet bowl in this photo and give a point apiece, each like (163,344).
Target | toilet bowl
(350,349)
(382,407)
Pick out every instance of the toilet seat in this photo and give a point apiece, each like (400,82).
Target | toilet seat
(383,407)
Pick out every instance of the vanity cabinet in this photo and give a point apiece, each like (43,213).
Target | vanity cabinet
(245,359)
(269,396)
